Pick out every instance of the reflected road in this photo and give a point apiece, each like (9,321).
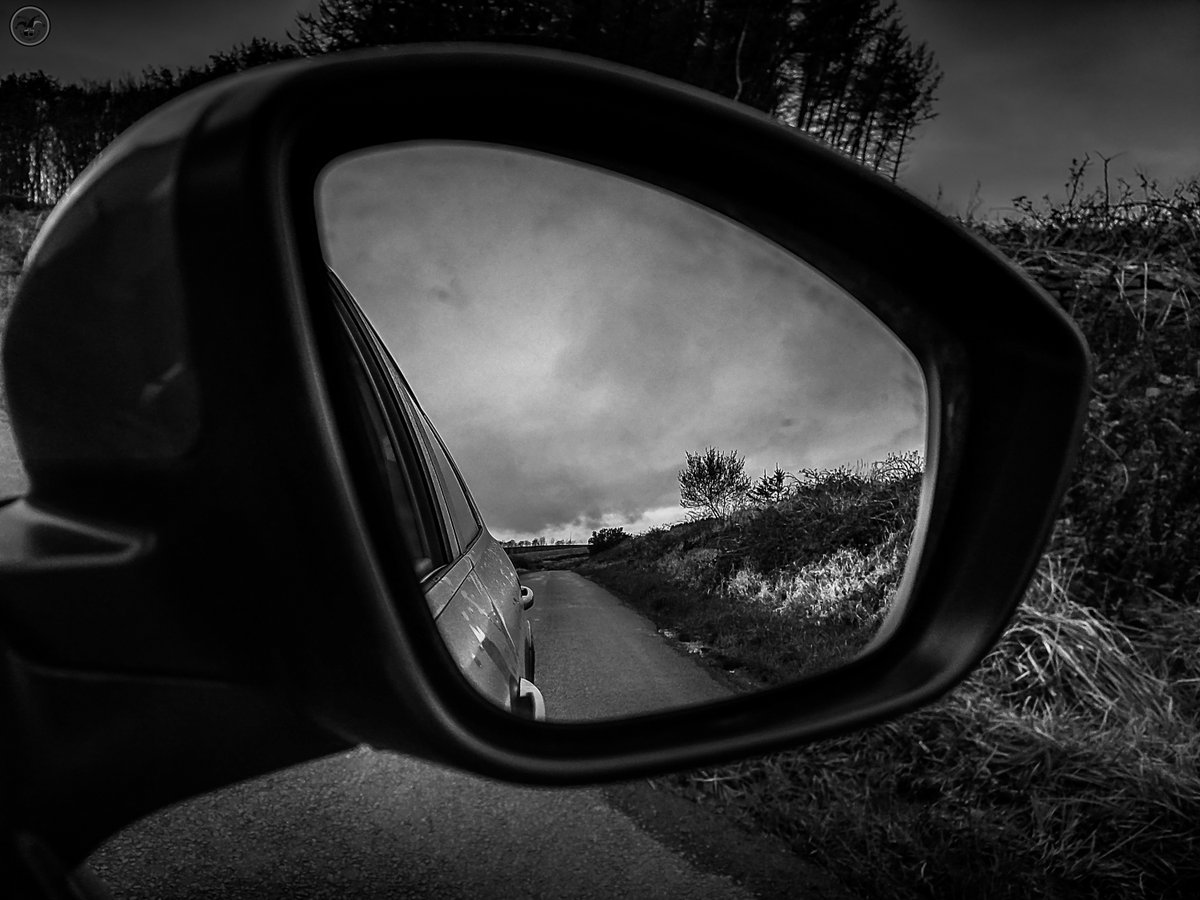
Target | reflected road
(596,658)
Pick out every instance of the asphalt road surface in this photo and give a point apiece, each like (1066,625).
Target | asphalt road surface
(597,658)
(373,825)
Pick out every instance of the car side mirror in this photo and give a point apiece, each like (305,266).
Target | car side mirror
(210,530)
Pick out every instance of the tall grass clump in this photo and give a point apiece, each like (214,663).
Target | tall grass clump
(1123,263)
(1061,768)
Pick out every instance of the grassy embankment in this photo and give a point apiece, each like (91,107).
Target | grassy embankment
(1067,766)
(782,591)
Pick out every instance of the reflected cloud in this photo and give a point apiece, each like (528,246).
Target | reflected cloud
(573,334)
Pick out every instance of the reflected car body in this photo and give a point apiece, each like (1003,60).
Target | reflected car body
(469,582)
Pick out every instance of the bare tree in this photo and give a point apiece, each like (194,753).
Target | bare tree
(714,483)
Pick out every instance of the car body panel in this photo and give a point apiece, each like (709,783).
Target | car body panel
(476,597)
(477,630)
(442,584)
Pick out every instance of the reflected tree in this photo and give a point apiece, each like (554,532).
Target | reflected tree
(713,483)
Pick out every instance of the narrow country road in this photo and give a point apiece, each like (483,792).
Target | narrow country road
(377,825)
(596,658)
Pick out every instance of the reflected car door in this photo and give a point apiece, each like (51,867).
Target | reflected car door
(470,584)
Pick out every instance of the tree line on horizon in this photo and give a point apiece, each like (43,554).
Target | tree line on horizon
(714,484)
(535,542)
(844,71)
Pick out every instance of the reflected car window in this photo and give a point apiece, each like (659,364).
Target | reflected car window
(397,449)
(463,518)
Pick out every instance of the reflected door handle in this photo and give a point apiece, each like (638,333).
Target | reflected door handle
(526,597)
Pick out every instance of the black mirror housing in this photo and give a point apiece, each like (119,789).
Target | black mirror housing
(178,392)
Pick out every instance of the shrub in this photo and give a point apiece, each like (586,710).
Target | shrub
(714,483)
(1125,268)
(605,538)
(772,488)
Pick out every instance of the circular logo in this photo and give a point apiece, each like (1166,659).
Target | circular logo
(29,26)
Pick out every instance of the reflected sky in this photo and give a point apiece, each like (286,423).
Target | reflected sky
(573,334)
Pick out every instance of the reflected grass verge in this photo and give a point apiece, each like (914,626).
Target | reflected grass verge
(780,591)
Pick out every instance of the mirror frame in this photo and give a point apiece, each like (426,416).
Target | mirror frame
(868,236)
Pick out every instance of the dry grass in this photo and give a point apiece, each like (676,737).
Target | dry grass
(1124,264)
(1064,767)
(782,591)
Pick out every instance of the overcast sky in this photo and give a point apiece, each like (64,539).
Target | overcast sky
(573,335)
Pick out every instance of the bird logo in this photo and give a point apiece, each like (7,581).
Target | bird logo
(29,26)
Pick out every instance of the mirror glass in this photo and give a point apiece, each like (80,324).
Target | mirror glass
(702,457)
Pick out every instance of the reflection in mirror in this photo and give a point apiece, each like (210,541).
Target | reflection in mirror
(702,457)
